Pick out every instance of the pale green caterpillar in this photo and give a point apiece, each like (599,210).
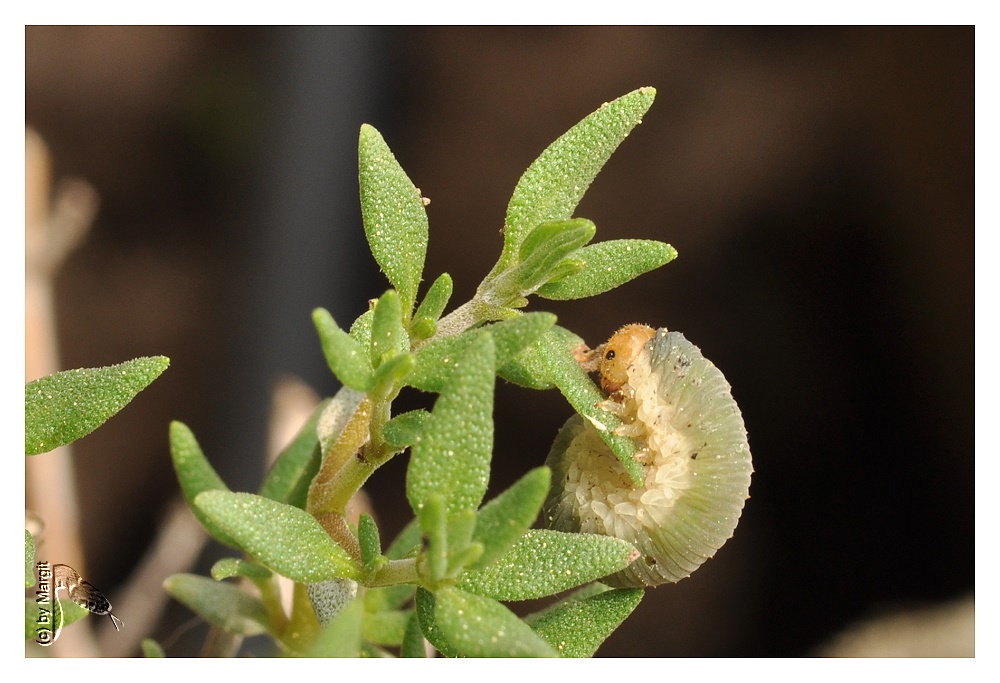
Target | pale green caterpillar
(678,408)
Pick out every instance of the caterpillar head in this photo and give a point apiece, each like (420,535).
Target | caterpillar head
(620,352)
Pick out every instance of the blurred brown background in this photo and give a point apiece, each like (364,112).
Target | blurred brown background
(817,183)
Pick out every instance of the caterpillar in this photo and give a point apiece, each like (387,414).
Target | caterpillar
(691,441)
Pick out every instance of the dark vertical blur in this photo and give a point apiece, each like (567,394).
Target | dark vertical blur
(818,184)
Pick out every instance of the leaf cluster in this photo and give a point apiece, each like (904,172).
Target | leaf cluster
(445,578)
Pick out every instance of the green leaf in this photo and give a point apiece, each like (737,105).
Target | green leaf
(426,605)
(394,216)
(404,429)
(576,627)
(480,627)
(413,639)
(544,562)
(433,516)
(431,308)
(345,356)
(29,559)
(220,604)
(283,538)
(390,374)
(388,335)
(229,567)
(342,636)
(61,408)
(59,614)
(196,475)
(530,367)
(289,477)
(555,183)
(502,521)
(436,359)
(361,329)
(608,265)
(152,649)
(368,538)
(452,457)
(559,239)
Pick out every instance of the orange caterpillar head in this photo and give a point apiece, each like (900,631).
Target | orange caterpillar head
(620,352)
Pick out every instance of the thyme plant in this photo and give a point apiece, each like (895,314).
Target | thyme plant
(441,584)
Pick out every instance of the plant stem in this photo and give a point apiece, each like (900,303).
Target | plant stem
(396,572)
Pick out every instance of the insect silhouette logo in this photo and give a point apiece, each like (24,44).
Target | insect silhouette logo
(55,577)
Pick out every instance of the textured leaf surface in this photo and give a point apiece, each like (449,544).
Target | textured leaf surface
(502,521)
(479,627)
(29,559)
(556,181)
(61,408)
(394,216)
(544,562)
(196,475)
(283,538)
(436,359)
(220,604)
(577,627)
(452,457)
(608,265)
(344,355)
(228,567)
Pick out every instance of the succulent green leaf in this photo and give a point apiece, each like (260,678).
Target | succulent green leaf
(342,636)
(544,562)
(530,367)
(433,516)
(289,477)
(436,359)
(394,216)
(368,539)
(503,520)
(345,356)
(388,335)
(608,265)
(413,638)
(425,608)
(452,457)
(281,537)
(404,429)
(29,559)
(229,567)
(476,626)
(61,613)
(431,307)
(361,328)
(61,408)
(196,475)
(576,627)
(556,181)
(390,375)
(221,604)
(152,649)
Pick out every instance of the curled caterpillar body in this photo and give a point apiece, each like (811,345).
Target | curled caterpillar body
(678,408)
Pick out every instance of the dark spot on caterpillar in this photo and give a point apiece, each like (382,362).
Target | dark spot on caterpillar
(694,456)
(650,560)
(610,355)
